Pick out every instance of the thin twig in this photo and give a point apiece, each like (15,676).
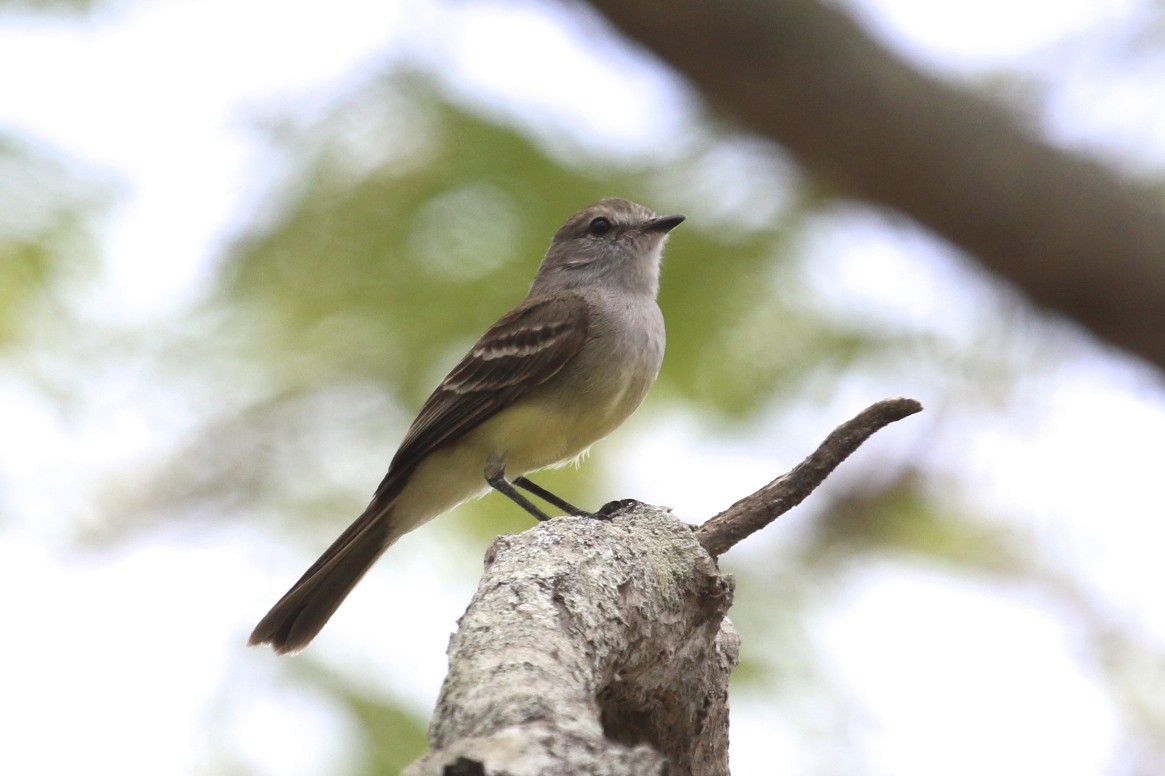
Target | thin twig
(752,513)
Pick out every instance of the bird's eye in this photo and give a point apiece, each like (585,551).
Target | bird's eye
(599,226)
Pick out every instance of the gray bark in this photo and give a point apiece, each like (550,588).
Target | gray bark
(591,647)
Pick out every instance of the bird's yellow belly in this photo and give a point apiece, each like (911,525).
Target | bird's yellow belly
(536,434)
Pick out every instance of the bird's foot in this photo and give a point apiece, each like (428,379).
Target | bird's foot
(613,508)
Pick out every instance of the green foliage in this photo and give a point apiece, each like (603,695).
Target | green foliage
(45,242)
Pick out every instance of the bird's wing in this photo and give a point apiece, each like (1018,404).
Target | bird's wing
(526,347)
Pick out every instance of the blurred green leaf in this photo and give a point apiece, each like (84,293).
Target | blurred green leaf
(47,242)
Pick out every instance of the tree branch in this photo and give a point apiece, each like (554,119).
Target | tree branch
(1068,231)
(603,646)
(752,513)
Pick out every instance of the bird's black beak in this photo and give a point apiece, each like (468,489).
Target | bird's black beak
(663,223)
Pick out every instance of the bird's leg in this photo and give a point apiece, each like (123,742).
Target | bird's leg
(550,498)
(607,512)
(497,481)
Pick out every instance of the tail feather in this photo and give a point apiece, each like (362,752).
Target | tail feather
(300,614)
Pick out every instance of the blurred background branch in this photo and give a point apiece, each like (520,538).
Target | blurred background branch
(1068,231)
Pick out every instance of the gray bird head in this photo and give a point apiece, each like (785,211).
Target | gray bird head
(614,242)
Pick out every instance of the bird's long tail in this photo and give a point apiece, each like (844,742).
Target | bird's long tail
(300,614)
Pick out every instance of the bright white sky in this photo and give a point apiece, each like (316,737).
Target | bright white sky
(119,659)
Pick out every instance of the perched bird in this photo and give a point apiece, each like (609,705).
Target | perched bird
(554,375)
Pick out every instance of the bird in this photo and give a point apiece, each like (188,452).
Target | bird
(555,374)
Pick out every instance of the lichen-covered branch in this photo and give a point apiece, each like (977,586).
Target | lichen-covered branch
(591,646)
